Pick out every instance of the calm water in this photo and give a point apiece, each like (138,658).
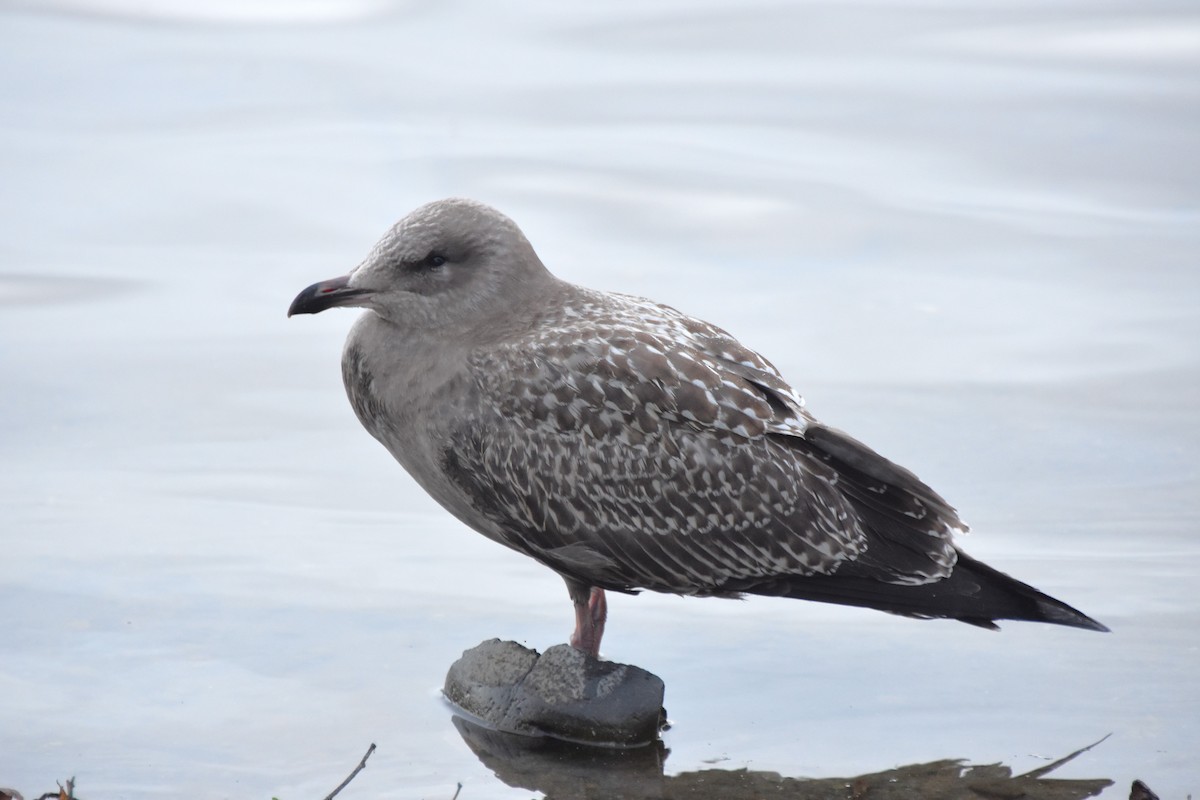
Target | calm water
(968,235)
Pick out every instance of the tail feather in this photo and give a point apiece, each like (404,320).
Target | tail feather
(974,593)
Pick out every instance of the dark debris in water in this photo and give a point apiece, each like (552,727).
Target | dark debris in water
(564,771)
(1140,791)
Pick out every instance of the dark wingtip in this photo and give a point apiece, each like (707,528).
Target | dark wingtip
(1030,604)
(973,593)
(1012,599)
(1057,612)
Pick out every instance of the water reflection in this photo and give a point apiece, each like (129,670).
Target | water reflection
(563,771)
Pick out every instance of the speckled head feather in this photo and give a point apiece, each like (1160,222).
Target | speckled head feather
(628,446)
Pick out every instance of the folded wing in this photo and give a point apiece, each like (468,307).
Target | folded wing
(674,459)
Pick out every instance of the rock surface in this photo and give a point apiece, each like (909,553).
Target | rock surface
(563,693)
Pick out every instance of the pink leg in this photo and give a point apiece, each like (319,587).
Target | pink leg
(590,615)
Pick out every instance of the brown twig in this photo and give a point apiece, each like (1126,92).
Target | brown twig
(361,766)
(1046,770)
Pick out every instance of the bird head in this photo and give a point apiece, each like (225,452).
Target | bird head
(450,263)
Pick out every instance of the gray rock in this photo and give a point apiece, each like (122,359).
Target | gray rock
(563,693)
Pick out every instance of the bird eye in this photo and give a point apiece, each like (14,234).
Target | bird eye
(435,259)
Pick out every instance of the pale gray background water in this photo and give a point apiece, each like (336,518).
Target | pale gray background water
(968,233)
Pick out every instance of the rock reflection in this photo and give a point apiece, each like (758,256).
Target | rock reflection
(563,771)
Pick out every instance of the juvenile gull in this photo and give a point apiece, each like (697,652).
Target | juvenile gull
(627,446)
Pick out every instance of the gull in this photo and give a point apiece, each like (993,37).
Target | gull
(628,446)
